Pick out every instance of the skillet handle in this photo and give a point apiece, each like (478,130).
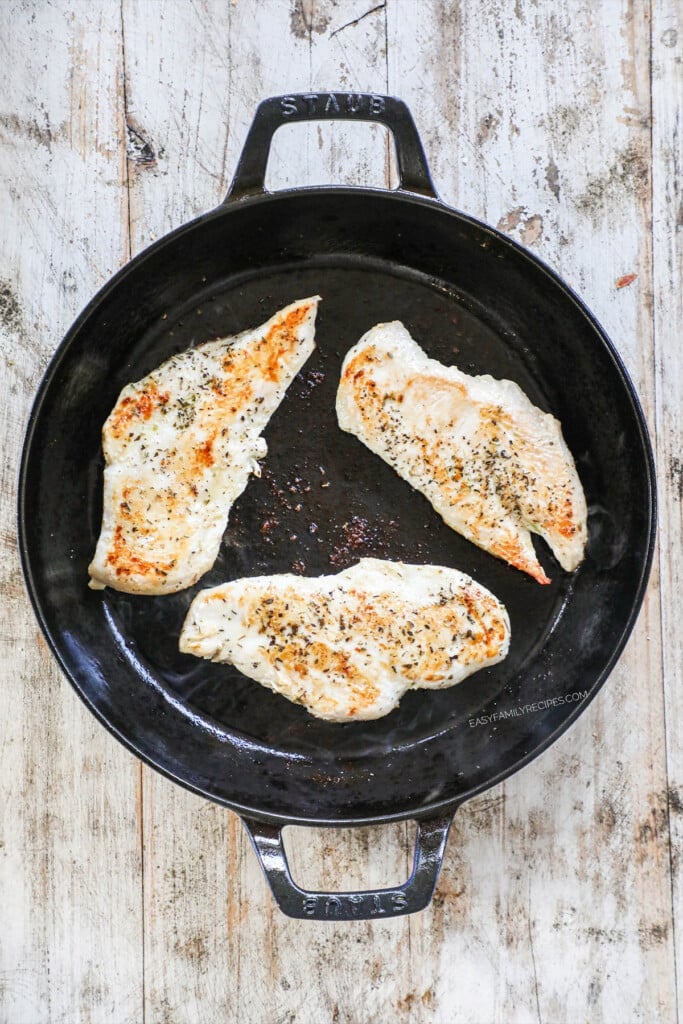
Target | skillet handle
(365,905)
(272,113)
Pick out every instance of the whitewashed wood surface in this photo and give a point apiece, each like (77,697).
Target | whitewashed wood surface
(122,897)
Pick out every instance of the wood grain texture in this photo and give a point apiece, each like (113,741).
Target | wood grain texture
(124,897)
(667,228)
(71,929)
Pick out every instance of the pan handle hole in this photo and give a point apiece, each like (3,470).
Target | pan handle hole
(345,859)
(366,152)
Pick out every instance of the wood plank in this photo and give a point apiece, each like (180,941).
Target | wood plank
(555,898)
(176,65)
(69,834)
(667,222)
(301,972)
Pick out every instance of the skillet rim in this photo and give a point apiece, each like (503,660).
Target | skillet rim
(339,192)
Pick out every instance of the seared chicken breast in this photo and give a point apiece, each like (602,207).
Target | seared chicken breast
(492,464)
(348,646)
(179,447)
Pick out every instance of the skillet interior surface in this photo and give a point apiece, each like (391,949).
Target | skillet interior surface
(469,297)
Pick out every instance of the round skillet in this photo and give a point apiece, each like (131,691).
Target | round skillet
(470,296)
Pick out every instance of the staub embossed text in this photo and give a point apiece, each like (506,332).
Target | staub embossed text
(345,905)
(329,103)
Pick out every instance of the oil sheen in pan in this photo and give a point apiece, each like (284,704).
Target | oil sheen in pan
(324,500)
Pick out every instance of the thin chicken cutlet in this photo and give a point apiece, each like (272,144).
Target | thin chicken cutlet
(179,447)
(348,646)
(492,464)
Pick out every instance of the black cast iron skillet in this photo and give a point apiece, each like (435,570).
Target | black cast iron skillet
(469,296)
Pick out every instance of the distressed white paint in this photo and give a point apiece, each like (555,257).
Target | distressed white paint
(70,909)
(667,226)
(555,900)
